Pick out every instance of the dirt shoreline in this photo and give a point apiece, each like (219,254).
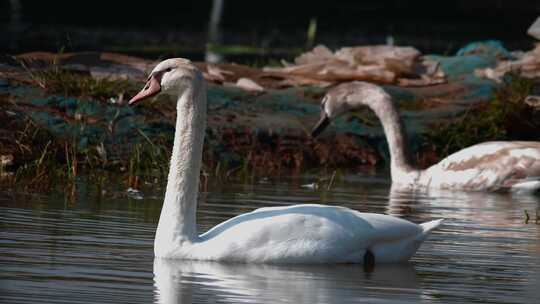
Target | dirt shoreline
(262,131)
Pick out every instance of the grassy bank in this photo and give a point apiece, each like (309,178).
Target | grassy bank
(38,159)
(505,117)
(43,159)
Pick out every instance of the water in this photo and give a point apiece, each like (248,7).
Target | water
(99,250)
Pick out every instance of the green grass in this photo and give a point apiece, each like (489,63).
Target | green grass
(148,162)
(56,80)
(44,162)
(505,117)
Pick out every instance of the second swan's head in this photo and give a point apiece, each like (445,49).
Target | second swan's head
(347,97)
(171,76)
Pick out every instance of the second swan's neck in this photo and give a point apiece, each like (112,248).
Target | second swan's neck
(177,222)
(400,166)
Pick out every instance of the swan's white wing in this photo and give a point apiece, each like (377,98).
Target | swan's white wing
(302,234)
(495,165)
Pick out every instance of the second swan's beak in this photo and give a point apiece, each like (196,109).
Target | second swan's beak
(151,88)
(321,125)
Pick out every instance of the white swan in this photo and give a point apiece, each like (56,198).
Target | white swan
(294,234)
(489,166)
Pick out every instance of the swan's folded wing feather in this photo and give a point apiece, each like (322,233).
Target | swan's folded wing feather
(491,165)
(303,231)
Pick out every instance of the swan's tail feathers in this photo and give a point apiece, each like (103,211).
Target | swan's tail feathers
(428,226)
(527,186)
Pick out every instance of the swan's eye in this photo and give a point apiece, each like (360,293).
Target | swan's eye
(168,70)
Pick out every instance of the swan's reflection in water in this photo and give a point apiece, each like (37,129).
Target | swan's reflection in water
(482,253)
(179,281)
(484,239)
(533,290)
(459,207)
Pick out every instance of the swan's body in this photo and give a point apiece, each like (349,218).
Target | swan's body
(308,234)
(489,166)
(295,234)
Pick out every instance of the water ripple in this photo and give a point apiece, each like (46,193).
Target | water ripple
(101,251)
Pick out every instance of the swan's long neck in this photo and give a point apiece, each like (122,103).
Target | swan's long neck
(177,222)
(400,166)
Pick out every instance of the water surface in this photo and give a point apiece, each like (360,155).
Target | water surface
(98,249)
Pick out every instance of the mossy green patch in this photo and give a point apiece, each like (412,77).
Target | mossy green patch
(505,117)
(56,80)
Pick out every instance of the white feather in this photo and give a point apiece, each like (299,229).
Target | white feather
(491,166)
(294,234)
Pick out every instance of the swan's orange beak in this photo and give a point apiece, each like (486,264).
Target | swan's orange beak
(152,88)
